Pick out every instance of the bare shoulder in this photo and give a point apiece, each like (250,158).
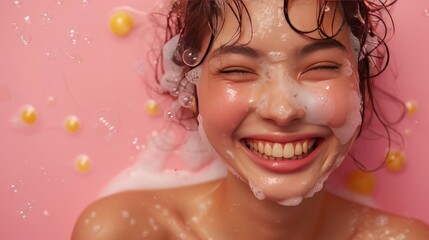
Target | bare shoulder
(375,224)
(121,216)
(156,214)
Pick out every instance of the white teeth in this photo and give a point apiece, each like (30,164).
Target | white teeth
(298,149)
(277,150)
(304,147)
(268,150)
(271,151)
(288,151)
(261,147)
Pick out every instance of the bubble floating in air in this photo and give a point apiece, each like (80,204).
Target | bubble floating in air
(27,19)
(106,124)
(74,36)
(425,12)
(17,3)
(46,17)
(16,187)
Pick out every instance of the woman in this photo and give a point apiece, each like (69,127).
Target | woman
(279,90)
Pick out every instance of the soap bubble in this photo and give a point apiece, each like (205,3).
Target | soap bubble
(46,17)
(190,57)
(106,124)
(186,100)
(74,36)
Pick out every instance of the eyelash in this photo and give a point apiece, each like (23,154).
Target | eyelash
(322,67)
(235,70)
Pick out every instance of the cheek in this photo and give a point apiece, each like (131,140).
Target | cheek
(336,105)
(223,107)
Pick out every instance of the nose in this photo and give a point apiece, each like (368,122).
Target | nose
(279,106)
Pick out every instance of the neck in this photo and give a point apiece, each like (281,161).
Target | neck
(249,216)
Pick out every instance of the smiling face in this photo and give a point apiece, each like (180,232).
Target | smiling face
(280,108)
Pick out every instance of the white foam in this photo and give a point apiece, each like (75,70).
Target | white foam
(291,202)
(148,172)
(259,194)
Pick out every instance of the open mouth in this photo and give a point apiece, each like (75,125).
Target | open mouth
(281,151)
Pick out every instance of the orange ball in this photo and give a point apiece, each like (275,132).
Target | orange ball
(395,160)
(83,163)
(121,23)
(28,115)
(361,183)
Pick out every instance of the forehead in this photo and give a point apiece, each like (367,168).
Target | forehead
(268,21)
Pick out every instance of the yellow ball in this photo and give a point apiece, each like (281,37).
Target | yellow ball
(411,107)
(83,164)
(121,23)
(361,183)
(72,124)
(395,160)
(152,108)
(28,115)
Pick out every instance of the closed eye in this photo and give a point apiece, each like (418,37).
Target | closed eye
(235,70)
(322,67)
(321,71)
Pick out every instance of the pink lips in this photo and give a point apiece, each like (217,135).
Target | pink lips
(281,166)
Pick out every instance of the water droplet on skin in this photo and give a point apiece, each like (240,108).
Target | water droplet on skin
(74,36)
(145,234)
(96,228)
(46,213)
(106,124)
(327,8)
(125,214)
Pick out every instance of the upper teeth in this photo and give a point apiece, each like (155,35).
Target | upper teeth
(281,150)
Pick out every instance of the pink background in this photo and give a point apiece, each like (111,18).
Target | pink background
(97,74)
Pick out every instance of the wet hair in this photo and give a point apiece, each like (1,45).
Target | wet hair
(368,20)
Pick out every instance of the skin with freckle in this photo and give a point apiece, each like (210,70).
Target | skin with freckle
(281,110)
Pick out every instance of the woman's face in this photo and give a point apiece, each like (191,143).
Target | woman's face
(279,108)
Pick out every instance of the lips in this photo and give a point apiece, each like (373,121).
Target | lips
(281,157)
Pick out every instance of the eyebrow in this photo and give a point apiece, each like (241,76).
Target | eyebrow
(302,51)
(237,49)
(320,45)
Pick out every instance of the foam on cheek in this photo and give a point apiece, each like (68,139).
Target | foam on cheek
(336,105)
